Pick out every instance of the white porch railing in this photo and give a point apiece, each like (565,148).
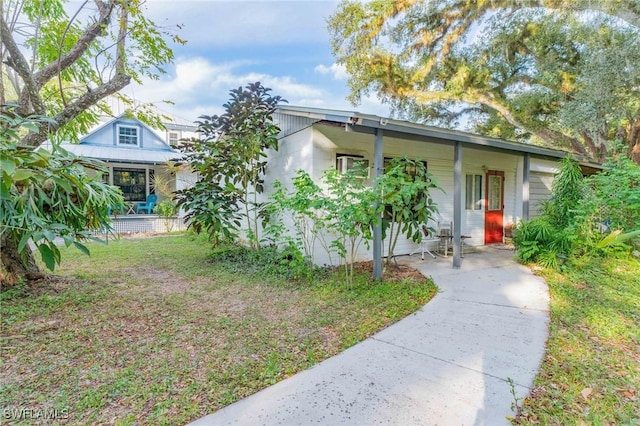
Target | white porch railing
(146,223)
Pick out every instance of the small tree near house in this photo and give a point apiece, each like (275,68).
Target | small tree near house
(230,159)
(404,191)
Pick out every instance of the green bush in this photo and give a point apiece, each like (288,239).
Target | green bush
(616,194)
(595,216)
(287,263)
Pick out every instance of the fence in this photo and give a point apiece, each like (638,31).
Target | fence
(146,224)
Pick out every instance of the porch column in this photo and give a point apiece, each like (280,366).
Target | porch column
(377,230)
(457,204)
(526,166)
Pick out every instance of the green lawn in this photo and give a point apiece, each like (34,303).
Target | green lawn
(591,372)
(152,331)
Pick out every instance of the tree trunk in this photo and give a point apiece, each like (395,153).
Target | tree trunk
(634,140)
(12,269)
(634,152)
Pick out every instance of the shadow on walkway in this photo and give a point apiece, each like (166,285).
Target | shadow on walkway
(449,363)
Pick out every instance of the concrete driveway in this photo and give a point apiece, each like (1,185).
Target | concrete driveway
(450,363)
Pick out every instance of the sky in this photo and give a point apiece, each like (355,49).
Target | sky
(283,44)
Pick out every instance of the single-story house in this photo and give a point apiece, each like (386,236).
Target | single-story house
(137,159)
(488,183)
(136,155)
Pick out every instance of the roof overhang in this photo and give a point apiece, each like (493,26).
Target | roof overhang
(122,155)
(369,124)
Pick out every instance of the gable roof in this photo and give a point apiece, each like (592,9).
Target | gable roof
(119,118)
(122,154)
(369,123)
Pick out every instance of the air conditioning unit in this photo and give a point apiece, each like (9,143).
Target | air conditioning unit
(344,163)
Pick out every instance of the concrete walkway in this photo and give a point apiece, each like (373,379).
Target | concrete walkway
(448,364)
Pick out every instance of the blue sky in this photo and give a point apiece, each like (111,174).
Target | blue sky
(283,44)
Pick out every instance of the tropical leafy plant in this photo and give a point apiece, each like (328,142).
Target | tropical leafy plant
(616,193)
(64,67)
(230,158)
(304,207)
(585,216)
(404,190)
(46,196)
(167,210)
(353,208)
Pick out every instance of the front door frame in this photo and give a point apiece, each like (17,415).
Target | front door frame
(494,213)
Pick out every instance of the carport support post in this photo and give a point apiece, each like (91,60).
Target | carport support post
(526,165)
(457,204)
(377,229)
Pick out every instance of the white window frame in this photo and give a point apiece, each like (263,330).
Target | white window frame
(169,137)
(342,163)
(118,135)
(474,192)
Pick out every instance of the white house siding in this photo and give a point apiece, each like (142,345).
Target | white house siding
(440,164)
(314,148)
(289,124)
(539,191)
(295,152)
(540,180)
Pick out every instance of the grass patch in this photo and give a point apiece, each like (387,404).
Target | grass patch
(591,371)
(153,331)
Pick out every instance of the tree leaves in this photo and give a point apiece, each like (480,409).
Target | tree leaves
(230,159)
(569,79)
(64,67)
(46,195)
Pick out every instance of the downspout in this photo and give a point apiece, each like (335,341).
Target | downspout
(377,230)
(457,204)
(526,166)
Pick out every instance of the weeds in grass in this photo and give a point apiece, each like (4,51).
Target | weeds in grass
(515,403)
(591,371)
(169,336)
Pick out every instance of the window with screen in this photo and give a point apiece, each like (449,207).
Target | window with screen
(174,137)
(128,136)
(473,192)
(132,183)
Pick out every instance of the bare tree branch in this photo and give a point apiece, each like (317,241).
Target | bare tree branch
(30,96)
(88,36)
(84,102)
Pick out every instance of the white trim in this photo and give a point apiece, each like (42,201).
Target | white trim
(175,133)
(127,126)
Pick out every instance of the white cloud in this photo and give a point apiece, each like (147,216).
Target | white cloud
(339,72)
(198,86)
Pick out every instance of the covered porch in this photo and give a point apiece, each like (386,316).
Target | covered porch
(486,181)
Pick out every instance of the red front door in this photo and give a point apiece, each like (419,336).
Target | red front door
(494,207)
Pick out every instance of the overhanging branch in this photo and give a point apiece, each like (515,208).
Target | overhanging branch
(30,101)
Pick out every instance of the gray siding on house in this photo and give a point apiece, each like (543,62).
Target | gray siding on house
(290,124)
(539,191)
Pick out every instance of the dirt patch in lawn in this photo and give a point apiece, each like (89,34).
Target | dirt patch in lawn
(151,345)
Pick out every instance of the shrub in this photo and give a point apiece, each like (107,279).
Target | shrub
(584,216)
(167,209)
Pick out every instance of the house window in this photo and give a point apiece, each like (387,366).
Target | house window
(132,183)
(128,135)
(473,194)
(347,162)
(174,137)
